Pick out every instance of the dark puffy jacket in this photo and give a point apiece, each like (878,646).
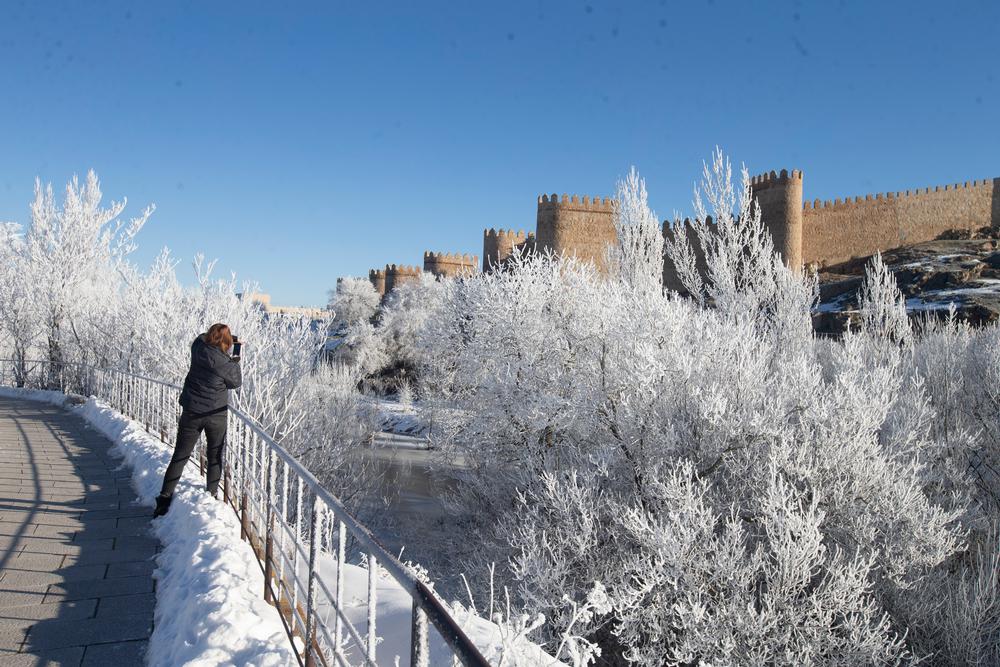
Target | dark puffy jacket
(213,373)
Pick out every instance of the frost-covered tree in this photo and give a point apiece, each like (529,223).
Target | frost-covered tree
(19,315)
(337,424)
(74,249)
(393,347)
(637,259)
(355,300)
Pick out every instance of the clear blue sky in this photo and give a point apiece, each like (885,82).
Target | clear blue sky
(298,142)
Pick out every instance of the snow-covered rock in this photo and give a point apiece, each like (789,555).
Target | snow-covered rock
(932,276)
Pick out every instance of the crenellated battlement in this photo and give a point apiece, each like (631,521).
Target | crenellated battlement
(668,225)
(847,202)
(491,233)
(377,278)
(500,244)
(402,270)
(446,264)
(456,258)
(772,179)
(605,204)
(400,274)
(852,227)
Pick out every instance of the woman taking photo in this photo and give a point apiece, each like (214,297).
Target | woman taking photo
(205,399)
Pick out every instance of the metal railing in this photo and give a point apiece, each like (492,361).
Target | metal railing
(298,530)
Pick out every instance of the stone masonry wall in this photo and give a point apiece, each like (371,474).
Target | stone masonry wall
(396,275)
(835,232)
(377,279)
(498,245)
(449,265)
(583,227)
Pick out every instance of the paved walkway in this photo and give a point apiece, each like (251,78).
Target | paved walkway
(76,554)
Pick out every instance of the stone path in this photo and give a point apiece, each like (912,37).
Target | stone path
(76,552)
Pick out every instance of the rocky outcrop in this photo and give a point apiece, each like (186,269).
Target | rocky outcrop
(960,268)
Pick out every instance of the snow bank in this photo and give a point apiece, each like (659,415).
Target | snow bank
(42,395)
(208,605)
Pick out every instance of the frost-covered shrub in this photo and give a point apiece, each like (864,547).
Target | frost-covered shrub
(390,351)
(355,300)
(337,424)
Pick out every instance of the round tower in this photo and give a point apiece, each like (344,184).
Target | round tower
(498,245)
(583,227)
(396,275)
(377,279)
(780,200)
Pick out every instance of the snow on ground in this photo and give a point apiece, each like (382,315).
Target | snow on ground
(394,417)
(53,397)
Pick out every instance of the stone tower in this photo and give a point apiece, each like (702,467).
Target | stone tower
(499,244)
(449,265)
(780,199)
(396,275)
(574,226)
(377,279)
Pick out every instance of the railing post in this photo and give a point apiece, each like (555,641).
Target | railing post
(298,539)
(283,524)
(268,532)
(419,654)
(371,638)
(338,628)
(244,527)
(311,588)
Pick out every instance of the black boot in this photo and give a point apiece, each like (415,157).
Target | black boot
(162,505)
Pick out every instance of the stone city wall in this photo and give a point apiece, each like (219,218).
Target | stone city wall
(837,231)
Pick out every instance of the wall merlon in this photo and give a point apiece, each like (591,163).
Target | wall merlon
(504,234)
(576,202)
(950,188)
(774,179)
(403,269)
